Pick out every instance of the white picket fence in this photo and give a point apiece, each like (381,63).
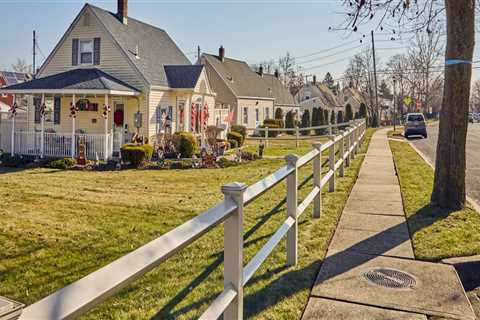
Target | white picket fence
(84,294)
(58,145)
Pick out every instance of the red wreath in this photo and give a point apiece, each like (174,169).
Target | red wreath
(118,118)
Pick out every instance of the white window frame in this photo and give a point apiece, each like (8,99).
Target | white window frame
(80,51)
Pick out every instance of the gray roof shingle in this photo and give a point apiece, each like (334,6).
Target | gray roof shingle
(282,95)
(81,79)
(239,77)
(183,76)
(155,46)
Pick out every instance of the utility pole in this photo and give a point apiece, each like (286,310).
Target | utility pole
(34,53)
(394,104)
(198,54)
(375,80)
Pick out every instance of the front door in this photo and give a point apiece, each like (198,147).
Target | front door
(119,129)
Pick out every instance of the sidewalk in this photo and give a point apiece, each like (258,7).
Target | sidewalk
(370,271)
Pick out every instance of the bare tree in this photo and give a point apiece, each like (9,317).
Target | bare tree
(286,64)
(398,66)
(449,183)
(22,66)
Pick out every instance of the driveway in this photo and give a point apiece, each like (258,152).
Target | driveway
(428,147)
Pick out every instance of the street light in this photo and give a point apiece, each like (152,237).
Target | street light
(394,104)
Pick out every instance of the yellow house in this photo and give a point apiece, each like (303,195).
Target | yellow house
(111,77)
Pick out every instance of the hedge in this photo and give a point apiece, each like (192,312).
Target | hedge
(232,135)
(240,129)
(185,143)
(136,154)
(65,163)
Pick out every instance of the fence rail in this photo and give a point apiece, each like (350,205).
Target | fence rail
(84,294)
(60,145)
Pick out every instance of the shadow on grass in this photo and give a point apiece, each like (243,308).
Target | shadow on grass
(166,311)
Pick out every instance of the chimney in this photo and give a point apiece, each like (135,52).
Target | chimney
(314,79)
(260,71)
(122,11)
(221,53)
(277,74)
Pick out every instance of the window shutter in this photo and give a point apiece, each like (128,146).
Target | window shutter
(96,51)
(57,105)
(36,104)
(74,52)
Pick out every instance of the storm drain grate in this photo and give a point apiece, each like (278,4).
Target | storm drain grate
(390,278)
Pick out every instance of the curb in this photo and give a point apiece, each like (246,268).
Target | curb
(472,202)
(467,269)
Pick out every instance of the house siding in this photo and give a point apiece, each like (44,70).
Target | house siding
(252,105)
(112,60)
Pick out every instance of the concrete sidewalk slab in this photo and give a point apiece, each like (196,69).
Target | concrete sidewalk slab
(325,309)
(372,222)
(435,291)
(393,242)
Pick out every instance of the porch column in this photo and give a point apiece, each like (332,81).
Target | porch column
(73,128)
(42,126)
(12,146)
(105,115)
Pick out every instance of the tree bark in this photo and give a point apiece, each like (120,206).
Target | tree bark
(449,184)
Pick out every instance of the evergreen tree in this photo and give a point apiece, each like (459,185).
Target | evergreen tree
(320,121)
(325,117)
(332,118)
(348,112)
(362,111)
(329,82)
(314,117)
(305,122)
(279,114)
(289,121)
(340,116)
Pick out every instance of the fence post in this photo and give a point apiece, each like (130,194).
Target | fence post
(266,137)
(292,194)
(352,141)
(233,251)
(349,145)
(12,147)
(329,128)
(317,180)
(341,153)
(42,127)
(296,136)
(331,165)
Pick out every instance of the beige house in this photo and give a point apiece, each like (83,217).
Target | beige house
(121,77)
(249,97)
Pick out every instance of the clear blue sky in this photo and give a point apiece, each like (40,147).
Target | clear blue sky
(249,30)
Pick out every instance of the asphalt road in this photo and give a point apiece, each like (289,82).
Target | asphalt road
(428,147)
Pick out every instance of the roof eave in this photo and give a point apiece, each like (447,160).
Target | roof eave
(70,91)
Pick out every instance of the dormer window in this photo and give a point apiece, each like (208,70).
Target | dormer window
(86,52)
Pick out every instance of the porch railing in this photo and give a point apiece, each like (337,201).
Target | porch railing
(60,145)
(84,294)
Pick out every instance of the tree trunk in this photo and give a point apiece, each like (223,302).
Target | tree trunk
(449,184)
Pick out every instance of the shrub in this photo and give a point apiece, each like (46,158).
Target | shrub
(240,129)
(279,114)
(289,121)
(249,156)
(305,122)
(271,133)
(348,112)
(136,154)
(233,143)
(7,160)
(278,122)
(235,136)
(225,163)
(63,164)
(186,144)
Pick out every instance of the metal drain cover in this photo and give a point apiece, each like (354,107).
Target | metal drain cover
(390,278)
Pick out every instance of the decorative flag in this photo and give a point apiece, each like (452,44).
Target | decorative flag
(205,116)
(193,117)
(230,117)
(106,111)
(73,110)
(13,110)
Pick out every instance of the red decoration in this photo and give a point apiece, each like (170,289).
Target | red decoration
(118,118)
(106,111)
(193,117)
(205,116)
(13,110)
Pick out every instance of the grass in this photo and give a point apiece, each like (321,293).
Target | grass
(436,233)
(287,144)
(58,226)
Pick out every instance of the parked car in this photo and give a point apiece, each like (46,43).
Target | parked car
(415,125)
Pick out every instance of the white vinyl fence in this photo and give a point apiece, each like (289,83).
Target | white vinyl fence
(84,294)
(56,145)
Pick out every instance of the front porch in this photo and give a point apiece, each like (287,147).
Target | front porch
(72,119)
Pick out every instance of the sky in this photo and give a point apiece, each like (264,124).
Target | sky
(249,30)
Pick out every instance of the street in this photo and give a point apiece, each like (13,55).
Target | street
(428,147)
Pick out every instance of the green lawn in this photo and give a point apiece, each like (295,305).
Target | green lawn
(436,233)
(58,226)
(282,147)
